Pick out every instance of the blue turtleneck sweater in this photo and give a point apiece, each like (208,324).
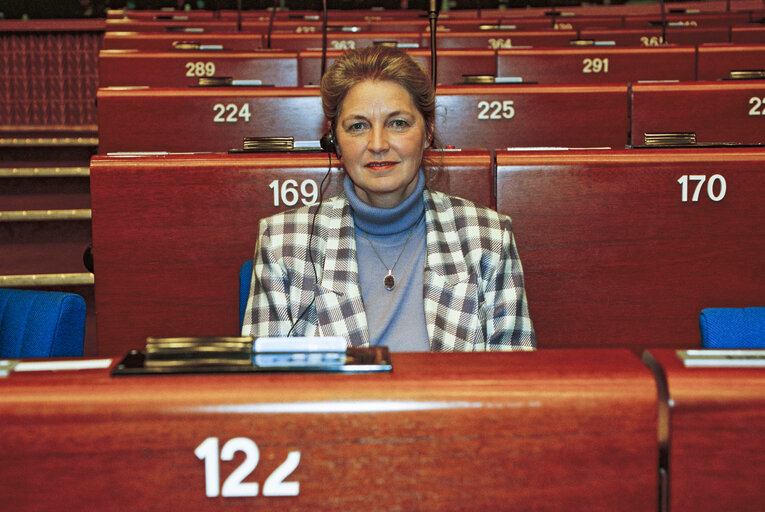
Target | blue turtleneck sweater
(396,318)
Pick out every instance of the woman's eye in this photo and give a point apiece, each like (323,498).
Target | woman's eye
(399,124)
(356,127)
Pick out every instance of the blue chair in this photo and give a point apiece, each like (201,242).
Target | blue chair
(245,277)
(41,324)
(732,328)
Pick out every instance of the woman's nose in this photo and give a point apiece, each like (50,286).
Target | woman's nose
(378,141)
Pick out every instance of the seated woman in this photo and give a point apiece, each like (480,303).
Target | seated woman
(388,261)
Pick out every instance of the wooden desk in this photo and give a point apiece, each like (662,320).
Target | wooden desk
(174,25)
(597,64)
(714,431)
(655,37)
(452,64)
(235,41)
(546,431)
(614,256)
(709,19)
(715,62)
(342,40)
(714,111)
(486,116)
(185,68)
(170,233)
(501,116)
(204,119)
(748,34)
(496,39)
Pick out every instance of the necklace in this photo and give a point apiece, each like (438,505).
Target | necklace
(389,281)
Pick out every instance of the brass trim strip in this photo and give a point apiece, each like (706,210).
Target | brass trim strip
(44,172)
(45,215)
(49,141)
(31,280)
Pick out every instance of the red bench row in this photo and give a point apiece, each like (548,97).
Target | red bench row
(621,248)
(413,23)
(484,39)
(483,116)
(162,68)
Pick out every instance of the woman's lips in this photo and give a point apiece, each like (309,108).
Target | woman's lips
(380,166)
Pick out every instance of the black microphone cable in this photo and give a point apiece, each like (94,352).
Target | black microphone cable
(310,244)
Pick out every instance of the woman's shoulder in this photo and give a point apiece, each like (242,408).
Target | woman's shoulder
(466,213)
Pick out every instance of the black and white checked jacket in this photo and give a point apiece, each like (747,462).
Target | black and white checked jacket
(474,297)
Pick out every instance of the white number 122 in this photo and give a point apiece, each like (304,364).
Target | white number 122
(234,486)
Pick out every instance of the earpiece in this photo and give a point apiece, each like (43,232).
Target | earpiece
(328,143)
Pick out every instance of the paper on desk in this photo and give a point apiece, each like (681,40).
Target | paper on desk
(74,364)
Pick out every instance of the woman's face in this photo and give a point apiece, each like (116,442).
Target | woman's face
(381,137)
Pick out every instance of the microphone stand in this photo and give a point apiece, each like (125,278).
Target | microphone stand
(324,37)
(238,15)
(432,18)
(271,25)
(663,23)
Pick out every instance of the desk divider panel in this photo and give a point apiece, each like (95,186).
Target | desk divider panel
(204,119)
(655,37)
(185,68)
(342,40)
(715,62)
(501,116)
(625,248)
(160,41)
(170,232)
(686,19)
(452,63)
(546,431)
(597,64)
(714,429)
(490,116)
(748,34)
(497,39)
(178,26)
(717,112)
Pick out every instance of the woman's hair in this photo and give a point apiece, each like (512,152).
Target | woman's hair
(378,63)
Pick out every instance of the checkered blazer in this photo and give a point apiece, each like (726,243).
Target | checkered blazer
(474,297)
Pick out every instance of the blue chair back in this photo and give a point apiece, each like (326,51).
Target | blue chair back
(41,324)
(245,277)
(732,327)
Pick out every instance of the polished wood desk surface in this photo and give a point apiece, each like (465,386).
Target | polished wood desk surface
(715,433)
(546,430)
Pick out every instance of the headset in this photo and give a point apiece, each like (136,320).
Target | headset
(328,142)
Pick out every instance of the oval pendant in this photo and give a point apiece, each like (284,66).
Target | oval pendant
(389,281)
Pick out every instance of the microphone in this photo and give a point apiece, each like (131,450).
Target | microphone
(432,18)
(271,25)
(324,37)
(663,23)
